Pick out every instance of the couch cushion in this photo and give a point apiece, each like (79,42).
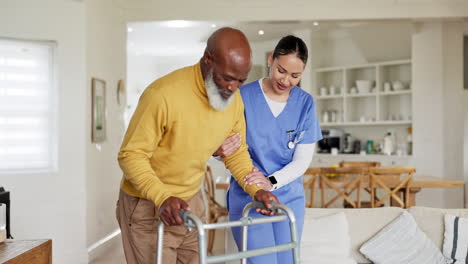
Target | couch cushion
(456,239)
(326,240)
(431,221)
(363,224)
(402,242)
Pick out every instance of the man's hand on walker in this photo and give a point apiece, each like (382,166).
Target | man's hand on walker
(266,198)
(169,212)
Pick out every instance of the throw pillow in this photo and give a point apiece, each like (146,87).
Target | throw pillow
(456,239)
(326,240)
(402,242)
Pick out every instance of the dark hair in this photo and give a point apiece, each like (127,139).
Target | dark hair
(290,45)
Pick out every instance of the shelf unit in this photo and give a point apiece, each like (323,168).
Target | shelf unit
(377,107)
(370,115)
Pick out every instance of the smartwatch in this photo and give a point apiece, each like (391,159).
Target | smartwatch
(273,181)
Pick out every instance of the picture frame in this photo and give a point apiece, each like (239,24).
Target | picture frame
(465,62)
(121,92)
(98,111)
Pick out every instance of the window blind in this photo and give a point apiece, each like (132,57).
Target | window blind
(27,106)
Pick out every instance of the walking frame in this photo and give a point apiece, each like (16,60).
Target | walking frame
(191,221)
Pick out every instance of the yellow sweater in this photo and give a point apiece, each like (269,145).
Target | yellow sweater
(173,133)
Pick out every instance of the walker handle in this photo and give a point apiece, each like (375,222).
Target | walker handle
(184,215)
(260,205)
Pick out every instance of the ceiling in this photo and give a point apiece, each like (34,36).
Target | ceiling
(179,38)
(169,38)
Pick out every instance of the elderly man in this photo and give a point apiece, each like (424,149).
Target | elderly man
(181,120)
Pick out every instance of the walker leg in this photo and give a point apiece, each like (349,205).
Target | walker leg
(202,246)
(160,243)
(294,239)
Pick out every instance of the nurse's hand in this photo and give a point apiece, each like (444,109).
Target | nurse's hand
(256,177)
(169,212)
(229,146)
(266,198)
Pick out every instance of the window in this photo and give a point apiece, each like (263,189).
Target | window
(27,107)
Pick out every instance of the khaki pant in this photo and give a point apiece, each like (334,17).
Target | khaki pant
(139,218)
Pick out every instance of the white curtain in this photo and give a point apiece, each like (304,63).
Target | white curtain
(27,104)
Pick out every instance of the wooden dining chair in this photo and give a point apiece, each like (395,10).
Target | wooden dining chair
(348,181)
(311,184)
(365,165)
(392,180)
(215,210)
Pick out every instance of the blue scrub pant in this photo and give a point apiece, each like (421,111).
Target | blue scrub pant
(270,234)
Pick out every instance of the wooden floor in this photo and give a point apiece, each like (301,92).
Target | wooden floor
(115,255)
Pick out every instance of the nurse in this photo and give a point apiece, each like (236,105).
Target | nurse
(282,128)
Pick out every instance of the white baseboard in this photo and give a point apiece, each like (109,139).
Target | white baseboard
(104,244)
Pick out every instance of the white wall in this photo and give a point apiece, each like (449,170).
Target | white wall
(51,205)
(465,152)
(453,109)
(106,58)
(437,107)
(365,42)
(260,49)
(143,69)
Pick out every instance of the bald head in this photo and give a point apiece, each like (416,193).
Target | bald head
(230,42)
(227,47)
(227,59)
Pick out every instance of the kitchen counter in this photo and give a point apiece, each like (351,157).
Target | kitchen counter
(326,160)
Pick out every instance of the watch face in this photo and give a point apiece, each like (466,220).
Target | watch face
(272,180)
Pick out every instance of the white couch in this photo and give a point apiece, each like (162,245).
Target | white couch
(365,223)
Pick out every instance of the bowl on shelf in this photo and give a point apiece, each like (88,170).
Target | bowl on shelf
(364,86)
(398,85)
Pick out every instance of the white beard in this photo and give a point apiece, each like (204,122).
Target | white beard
(218,102)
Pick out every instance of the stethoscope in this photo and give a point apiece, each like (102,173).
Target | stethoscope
(291,143)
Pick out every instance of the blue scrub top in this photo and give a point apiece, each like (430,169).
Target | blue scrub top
(267,135)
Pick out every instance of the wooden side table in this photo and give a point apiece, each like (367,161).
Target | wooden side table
(26,251)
